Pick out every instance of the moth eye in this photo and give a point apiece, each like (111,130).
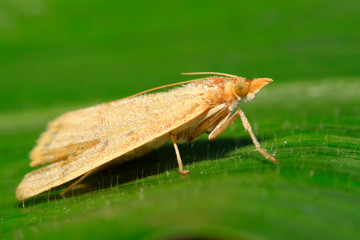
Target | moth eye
(241,88)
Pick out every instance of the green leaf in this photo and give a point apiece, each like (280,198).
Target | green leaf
(231,192)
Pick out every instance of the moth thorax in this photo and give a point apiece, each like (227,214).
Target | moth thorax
(241,88)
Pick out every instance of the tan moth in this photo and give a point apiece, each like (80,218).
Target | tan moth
(79,142)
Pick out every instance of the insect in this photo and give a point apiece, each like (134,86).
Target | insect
(80,142)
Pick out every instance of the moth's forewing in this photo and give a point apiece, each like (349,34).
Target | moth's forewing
(112,130)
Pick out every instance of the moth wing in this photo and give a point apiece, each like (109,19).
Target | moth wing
(62,171)
(111,130)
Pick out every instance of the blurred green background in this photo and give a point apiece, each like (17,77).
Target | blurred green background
(57,56)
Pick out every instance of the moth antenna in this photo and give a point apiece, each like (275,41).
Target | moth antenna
(164,86)
(179,83)
(213,73)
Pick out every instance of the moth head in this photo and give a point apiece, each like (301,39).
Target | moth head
(247,89)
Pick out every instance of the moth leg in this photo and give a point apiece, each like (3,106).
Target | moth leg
(183,172)
(222,125)
(228,120)
(77,182)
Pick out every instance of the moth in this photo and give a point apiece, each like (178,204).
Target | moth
(80,142)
